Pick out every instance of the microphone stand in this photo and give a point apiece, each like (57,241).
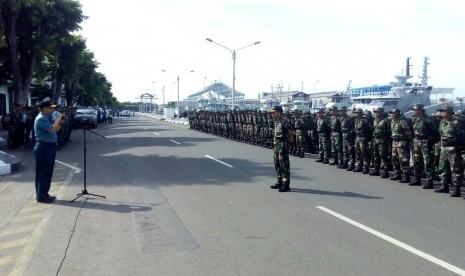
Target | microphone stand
(86,137)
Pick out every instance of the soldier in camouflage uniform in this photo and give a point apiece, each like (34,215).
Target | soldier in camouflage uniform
(368,116)
(324,130)
(299,134)
(423,142)
(289,120)
(336,137)
(309,126)
(280,149)
(348,139)
(362,134)
(436,120)
(451,162)
(401,137)
(381,134)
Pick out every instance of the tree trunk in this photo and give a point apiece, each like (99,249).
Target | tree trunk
(55,86)
(22,64)
(10,18)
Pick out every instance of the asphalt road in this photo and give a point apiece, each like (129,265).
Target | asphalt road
(181,202)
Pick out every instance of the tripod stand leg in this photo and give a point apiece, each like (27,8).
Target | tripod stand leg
(84,192)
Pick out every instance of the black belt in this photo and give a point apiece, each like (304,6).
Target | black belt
(47,143)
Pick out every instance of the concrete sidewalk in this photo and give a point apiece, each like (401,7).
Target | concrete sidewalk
(8,162)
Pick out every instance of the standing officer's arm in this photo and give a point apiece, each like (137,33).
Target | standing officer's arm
(57,124)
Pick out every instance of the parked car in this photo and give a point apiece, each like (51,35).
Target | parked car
(85,117)
(126,113)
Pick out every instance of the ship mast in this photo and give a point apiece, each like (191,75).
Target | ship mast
(424,76)
(402,80)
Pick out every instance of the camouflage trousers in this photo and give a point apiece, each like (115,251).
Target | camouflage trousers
(336,146)
(324,146)
(401,159)
(362,152)
(348,149)
(281,163)
(423,158)
(309,140)
(300,140)
(380,154)
(451,165)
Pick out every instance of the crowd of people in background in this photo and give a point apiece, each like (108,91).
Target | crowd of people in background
(20,121)
(423,147)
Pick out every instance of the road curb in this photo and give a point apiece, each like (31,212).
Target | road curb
(8,163)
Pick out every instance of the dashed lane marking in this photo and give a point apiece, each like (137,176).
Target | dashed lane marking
(219,161)
(156,133)
(177,143)
(400,244)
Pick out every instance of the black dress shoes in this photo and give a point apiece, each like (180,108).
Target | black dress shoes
(52,197)
(45,200)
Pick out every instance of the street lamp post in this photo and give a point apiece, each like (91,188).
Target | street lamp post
(177,80)
(233,52)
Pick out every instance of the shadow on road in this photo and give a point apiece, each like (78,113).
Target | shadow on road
(330,193)
(112,206)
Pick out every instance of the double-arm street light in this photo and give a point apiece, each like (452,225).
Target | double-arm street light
(233,52)
(177,80)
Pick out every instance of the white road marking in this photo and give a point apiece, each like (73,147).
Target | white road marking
(214,159)
(145,128)
(76,169)
(175,142)
(400,244)
(156,133)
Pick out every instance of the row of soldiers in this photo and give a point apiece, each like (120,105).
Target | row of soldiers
(359,141)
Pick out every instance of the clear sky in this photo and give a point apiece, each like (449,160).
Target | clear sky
(311,44)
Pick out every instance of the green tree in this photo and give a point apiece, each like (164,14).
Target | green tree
(31,29)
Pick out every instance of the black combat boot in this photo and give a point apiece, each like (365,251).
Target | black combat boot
(456,192)
(429,184)
(319,160)
(343,165)
(395,177)
(350,167)
(417,182)
(276,186)
(444,188)
(375,172)
(358,169)
(326,161)
(301,154)
(366,170)
(334,162)
(405,178)
(385,174)
(284,188)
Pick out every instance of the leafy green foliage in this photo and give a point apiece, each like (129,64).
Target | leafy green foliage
(37,41)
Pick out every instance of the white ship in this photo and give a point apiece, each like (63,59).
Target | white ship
(402,94)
